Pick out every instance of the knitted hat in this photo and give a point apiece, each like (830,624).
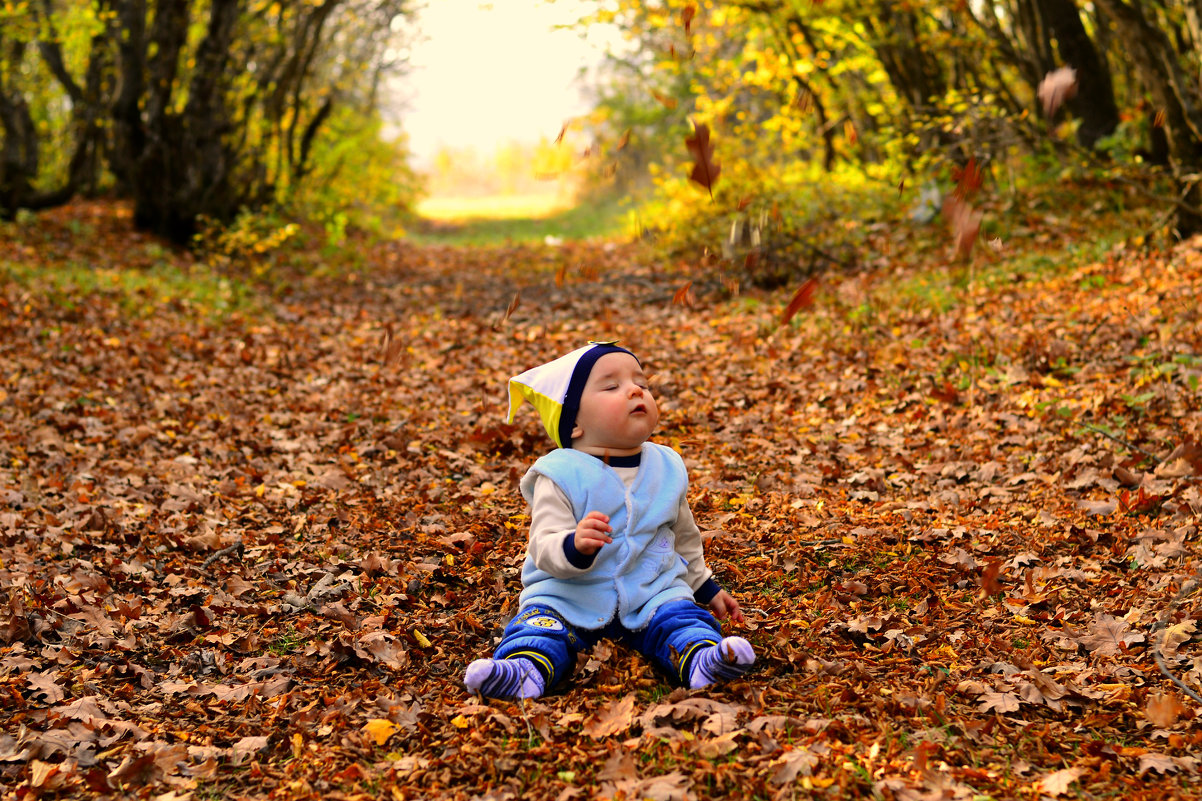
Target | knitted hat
(554,389)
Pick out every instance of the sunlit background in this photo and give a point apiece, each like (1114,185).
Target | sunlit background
(487,83)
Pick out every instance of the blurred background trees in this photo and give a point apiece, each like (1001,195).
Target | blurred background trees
(812,103)
(204,109)
(197,109)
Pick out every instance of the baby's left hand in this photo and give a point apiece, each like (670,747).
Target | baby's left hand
(724,605)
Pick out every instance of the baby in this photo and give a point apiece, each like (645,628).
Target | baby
(614,550)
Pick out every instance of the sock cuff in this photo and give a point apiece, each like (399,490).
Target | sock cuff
(541,663)
(686,660)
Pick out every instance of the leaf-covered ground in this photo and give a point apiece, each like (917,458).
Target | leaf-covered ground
(250,557)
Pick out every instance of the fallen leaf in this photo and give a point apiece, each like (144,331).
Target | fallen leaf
(1057,783)
(1163,709)
(380,729)
(799,761)
(614,718)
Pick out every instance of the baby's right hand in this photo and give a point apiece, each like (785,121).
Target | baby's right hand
(591,533)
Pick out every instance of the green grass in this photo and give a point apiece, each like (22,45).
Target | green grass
(497,220)
(140,292)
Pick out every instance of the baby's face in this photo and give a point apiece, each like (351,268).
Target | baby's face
(617,413)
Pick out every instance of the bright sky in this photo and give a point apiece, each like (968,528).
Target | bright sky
(488,71)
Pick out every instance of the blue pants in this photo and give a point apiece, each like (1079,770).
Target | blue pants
(676,631)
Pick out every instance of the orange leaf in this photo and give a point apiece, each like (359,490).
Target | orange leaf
(562,131)
(625,140)
(513,305)
(803,297)
(686,17)
(965,222)
(684,296)
(705,169)
(968,178)
(613,719)
(668,102)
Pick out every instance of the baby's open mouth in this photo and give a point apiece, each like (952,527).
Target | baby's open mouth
(640,409)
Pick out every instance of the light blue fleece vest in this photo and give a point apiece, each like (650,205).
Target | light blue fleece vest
(637,572)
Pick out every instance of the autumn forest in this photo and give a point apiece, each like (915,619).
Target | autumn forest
(918,290)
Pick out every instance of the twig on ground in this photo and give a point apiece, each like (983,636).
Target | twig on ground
(1128,445)
(213,557)
(1163,626)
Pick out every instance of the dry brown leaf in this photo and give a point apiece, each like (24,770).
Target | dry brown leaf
(615,718)
(705,169)
(1163,709)
(1056,784)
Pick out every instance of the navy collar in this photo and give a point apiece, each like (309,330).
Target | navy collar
(621,461)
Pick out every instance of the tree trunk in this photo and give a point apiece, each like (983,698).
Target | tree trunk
(1094,102)
(1157,65)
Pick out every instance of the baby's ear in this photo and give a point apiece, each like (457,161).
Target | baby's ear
(577,432)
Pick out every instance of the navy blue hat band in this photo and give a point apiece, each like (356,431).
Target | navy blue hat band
(580,374)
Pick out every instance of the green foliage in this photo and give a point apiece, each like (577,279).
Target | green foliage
(358,179)
(204,111)
(249,244)
(827,113)
(194,290)
(768,229)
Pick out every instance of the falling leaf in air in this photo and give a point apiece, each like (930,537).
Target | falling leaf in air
(394,347)
(965,223)
(803,297)
(968,178)
(686,17)
(562,131)
(625,140)
(684,296)
(667,102)
(1057,87)
(705,169)
(804,100)
(513,305)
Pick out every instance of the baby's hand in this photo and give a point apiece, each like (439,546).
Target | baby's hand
(592,532)
(724,606)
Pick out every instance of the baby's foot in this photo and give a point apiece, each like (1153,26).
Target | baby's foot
(727,660)
(504,678)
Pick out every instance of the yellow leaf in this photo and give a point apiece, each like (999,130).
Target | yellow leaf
(459,722)
(380,729)
(298,742)
(421,639)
